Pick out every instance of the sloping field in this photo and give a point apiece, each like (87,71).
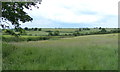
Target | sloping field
(93,52)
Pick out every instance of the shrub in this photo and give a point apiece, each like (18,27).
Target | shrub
(50,34)
(56,33)
(80,29)
(86,28)
(40,29)
(35,29)
(66,34)
(103,30)
(29,39)
(115,31)
(49,31)
(100,28)
(70,34)
(26,28)
(76,33)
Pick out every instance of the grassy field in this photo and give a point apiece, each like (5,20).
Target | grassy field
(92,52)
(63,31)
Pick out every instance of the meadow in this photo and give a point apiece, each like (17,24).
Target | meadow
(58,48)
(64,31)
(89,52)
(56,33)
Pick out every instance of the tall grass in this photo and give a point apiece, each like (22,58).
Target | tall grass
(94,52)
(8,38)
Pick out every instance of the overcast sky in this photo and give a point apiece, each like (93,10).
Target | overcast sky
(74,14)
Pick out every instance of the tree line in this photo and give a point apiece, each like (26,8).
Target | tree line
(32,29)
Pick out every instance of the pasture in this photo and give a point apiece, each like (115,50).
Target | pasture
(91,52)
(63,31)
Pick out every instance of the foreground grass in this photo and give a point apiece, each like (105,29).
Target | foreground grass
(94,52)
(9,38)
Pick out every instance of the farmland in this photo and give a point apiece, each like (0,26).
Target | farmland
(63,31)
(87,52)
(58,35)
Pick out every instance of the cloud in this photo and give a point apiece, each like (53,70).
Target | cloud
(75,11)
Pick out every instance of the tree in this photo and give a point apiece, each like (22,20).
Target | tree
(26,28)
(80,29)
(14,13)
(86,28)
(35,29)
(32,29)
(50,34)
(56,33)
(39,29)
(103,30)
(76,33)
(100,28)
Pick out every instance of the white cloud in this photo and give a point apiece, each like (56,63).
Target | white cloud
(70,11)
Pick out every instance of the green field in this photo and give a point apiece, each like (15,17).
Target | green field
(59,35)
(63,31)
(45,33)
(91,52)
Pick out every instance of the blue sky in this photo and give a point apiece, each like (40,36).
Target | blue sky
(74,14)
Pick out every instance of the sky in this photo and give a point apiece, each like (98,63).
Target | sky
(74,14)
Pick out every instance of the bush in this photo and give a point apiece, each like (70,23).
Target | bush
(80,29)
(115,31)
(35,29)
(50,34)
(86,28)
(100,28)
(26,28)
(103,30)
(56,33)
(87,33)
(70,34)
(49,31)
(66,34)
(76,33)
(29,39)
(40,29)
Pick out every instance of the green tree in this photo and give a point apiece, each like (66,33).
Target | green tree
(103,30)
(76,33)
(14,13)
(35,29)
(100,28)
(26,28)
(56,33)
(39,29)
(80,29)
(50,33)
